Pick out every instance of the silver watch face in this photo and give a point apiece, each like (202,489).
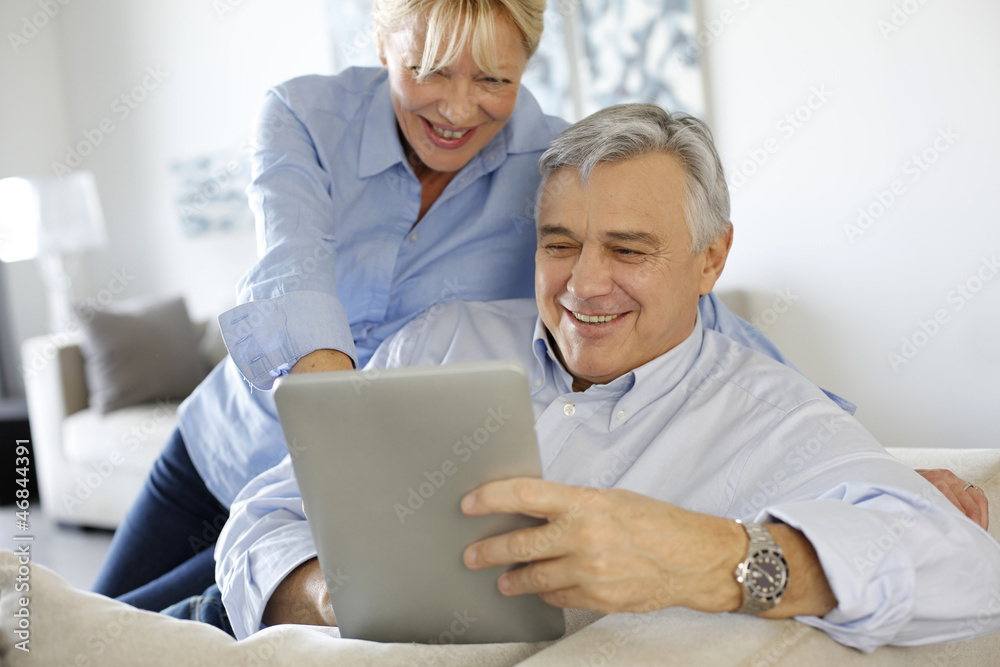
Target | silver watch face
(767,575)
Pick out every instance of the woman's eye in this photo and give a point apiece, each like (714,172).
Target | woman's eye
(415,70)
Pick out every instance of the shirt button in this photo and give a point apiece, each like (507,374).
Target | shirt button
(539,382)
(414,237)
(620,415)
(569,409)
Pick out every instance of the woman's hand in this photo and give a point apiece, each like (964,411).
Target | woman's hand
(963,495)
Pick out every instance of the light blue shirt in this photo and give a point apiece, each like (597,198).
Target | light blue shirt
(711,426)
(342,266)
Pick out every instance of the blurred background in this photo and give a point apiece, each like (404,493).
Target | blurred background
(860,140)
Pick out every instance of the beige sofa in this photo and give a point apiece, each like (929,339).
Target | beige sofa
(72,627)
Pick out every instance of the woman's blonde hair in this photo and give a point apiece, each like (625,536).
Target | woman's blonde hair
(454,25)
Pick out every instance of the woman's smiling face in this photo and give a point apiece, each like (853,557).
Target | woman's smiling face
(451,114)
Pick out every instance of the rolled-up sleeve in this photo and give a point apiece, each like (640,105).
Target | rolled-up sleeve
(905,567)
(265,538)
(288,302)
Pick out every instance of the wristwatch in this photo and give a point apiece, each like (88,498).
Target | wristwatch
(764,573)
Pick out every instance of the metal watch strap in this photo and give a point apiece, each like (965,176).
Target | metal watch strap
(760,543)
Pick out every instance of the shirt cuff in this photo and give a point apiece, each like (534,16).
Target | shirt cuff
(267,336)
(874,591)
(273,560)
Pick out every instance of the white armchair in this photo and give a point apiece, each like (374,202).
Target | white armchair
(90,466)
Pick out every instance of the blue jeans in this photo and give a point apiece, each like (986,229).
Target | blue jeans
(163,552)
(206,608)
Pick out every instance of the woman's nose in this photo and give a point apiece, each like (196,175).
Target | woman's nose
(458,105)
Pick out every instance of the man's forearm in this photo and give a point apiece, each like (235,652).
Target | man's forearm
(724,546)
(809,592)
(301,598)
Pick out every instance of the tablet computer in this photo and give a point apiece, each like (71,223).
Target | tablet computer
(383,458)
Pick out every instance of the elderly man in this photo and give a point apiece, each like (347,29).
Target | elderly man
(680,467)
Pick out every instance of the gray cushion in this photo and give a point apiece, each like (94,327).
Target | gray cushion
(138,351)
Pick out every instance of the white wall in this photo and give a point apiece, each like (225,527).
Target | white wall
(857,299)
(854,300)
(213,70)
(33,125)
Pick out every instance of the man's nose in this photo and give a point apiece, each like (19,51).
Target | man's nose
(591,275)
(459,103)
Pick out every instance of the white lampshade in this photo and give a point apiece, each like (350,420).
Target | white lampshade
(49,216)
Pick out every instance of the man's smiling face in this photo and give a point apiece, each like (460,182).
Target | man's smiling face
(615,280)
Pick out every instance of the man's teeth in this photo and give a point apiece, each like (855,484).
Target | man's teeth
(447,134)
(595,319)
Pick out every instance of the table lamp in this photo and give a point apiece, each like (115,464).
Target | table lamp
(52,220)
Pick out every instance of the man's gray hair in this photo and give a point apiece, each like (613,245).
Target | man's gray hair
(629,131)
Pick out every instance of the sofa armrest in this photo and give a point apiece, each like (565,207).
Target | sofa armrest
(53,365)
(55,388)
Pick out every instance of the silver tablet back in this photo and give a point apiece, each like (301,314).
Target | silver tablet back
(383,459)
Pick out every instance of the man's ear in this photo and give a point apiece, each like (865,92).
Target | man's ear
(715,260)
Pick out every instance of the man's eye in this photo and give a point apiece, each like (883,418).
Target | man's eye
(627,252)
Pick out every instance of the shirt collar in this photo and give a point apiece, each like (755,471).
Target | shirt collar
(660,376)
(665,372)
(526,131)
(380,146)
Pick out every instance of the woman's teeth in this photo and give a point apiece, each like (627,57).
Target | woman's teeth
(595,319)
(447,134)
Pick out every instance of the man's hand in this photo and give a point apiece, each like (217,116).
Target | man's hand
(323,360)
(301,598)
(612,550)
(608,550)
(970,499)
